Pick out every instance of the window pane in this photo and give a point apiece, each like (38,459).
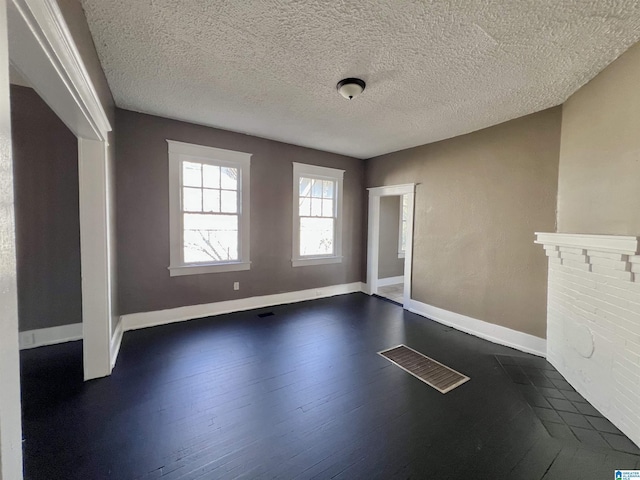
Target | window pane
(192,199)
(327,189)
(191,174)
(211,200)
(316,236)
(210,238)
(327,208)
(305,187)
(305,207)
(229,202)
(316,188)
(316,207)
(229,178)
(210,176)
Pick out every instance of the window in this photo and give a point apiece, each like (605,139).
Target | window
(209,209)
(402,235)
(317,215)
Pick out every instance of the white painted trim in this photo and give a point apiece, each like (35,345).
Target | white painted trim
(116,341)
(135,321)
(180,151)
(392,190)
(325,173)
(316,261)
(46,55)
(385,282)
(93,175)
(626,245)
(41,337)
(10,413)
(373,235)
(195,269)
(485,330)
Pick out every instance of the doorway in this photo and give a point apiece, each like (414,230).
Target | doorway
(42,52)
(390,242)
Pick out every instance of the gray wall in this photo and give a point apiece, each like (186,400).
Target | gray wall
(143,217)
(480,198)
(599,184)
(389,265)
(45,160)
(77,22)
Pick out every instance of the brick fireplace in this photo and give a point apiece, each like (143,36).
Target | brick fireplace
(593,321)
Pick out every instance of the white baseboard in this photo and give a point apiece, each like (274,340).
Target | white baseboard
(485,330)
(50,336)
(116,341)
(385,282)
(134,321)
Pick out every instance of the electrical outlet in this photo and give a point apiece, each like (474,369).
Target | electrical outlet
(236,285)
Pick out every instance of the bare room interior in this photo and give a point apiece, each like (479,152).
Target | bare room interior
(319,240)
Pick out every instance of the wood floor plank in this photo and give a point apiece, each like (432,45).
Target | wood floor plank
(300,394)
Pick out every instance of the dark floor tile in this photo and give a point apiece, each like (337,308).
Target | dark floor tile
(587,409)
(559,430)
(536,399)
(553,374)
(551,393)
(520,379)
(573,396)
(536,362)
(533,371)
(621,443)
(547,415)
(589,437)
(541,381)
(575,419)
(507,360)
(603,425)
(562,405)
(513,369)
(562,385)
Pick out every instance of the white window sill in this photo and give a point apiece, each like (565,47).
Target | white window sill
(200,269)
(305,262)
(400,254)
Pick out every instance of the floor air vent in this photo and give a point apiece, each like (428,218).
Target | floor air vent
(433,373)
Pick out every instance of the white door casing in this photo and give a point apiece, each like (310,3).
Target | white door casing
(373,235)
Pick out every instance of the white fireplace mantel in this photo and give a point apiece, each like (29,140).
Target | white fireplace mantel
(593,320)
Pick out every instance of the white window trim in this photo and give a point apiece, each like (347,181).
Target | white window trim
(216,156)
(401,253)
(325,173)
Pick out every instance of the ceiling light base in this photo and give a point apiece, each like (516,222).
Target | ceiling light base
(350,87)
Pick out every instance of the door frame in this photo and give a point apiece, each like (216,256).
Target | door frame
(373,235)
(42,50)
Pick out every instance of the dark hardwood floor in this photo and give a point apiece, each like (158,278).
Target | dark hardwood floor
(300,394)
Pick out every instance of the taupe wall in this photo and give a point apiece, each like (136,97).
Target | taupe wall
(389,265)
(77,23)
(599,183)
(143,217)
(45,160)
(479,201)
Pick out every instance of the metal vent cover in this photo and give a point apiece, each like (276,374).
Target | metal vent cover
(430,371)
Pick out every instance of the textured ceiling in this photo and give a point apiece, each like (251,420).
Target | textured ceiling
(433,69)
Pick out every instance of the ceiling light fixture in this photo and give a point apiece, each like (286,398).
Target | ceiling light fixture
(350,87)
